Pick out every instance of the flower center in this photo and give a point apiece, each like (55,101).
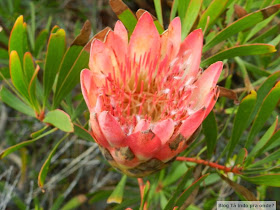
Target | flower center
(151,89)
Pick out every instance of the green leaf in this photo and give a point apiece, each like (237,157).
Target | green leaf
(182,8)
(272,143)
(28,66)
(100,195)
(272,180)
(75,202)
(32,90)
(30,75)
(17,74)
(239,25)
(268,105)
(173,9)
(213,11)
(270,32)
(11,100)
(58,202)
(16,147)
(117,194)
(189,190)
(256,70)
(259,26)
(275,41)
(79,109)
(39,132)
(271,157)
(158,8)
(241,157)
(40,42)
(263,91)
(59,119)
(241,120)
(55,52)
(18,38)
(124,14)
(179,189)
(145,195)
(74,61)
(241,50)
(190,16)
(210,130)
(265,138)
(177,170)
(45,168)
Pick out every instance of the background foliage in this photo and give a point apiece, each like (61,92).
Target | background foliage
(43,118)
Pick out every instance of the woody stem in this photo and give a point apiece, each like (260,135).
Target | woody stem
(236,170)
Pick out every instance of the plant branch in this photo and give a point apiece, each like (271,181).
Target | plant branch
(236,170)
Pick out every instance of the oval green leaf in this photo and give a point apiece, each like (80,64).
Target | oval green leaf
(59,119)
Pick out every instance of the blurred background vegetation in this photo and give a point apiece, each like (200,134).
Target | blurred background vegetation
(78,176)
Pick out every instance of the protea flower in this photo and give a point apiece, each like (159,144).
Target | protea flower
(147,97)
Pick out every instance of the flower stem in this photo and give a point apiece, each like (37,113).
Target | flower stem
(141,188)
(236,170)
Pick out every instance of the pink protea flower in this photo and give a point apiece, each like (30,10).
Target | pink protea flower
(147,97)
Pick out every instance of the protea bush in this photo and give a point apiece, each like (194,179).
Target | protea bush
(147,96)
(183,95)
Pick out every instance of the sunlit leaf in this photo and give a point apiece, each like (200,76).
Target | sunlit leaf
(145,195)
(241,50)
(74,61)
(173,9)
(265,138)
(268,105)
(263,91)
(75,202)
(117,194)
(241,157)
(59,119)
(18,38)
(213,11)
(40,42)
(190,16)
(241,119)
(239,25)
(270,158)
(272,180)
(17,74)
(124,14)
(177,170)
(272,143)
(55,52)
(11,100)
(158,8)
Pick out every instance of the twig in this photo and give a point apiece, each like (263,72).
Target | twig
(236,170)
